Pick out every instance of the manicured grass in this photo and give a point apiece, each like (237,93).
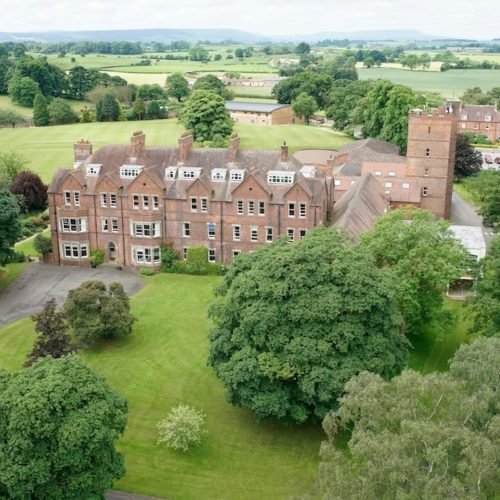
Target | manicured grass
(48,148)
(451,83)
(432,349)
(163,363)
(6,103)
(26,246)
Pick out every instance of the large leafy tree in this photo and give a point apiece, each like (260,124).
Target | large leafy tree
(294,322)
(468,161)
(486,302)
(373,106)
(485,187)
(59,423)
(305,106)
(177,86)
(23,89)
(213,84)
(52,334)
(81,80)
(61,113)
(10,227)
(32,190)
(317,85)
(418,436)
(205,114)
(40,111)
(94,311)
(424,255)
(50,79)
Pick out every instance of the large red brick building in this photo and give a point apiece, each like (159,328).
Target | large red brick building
(128,200)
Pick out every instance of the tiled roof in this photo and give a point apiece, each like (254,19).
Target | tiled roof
(254,107)
(479,112)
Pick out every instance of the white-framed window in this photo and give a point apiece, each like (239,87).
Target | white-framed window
(388,184)
(112,200)
(189,172)
(135,199)
(235,254)
(425,191)
(76,198)
(280,177)
(186,229)
(75,250)
(104,200)
(251,207)
(302,233)
(392,174)
(254,234)
(211,231)
(269,234)
(67,198)
(236,174)
(211,255)
(156,202)
(463,117)
(194,204)
(104,225)
(219,174)
(146,255)
(378,173)
(487,118)
(239,207)
(114,225)
(93,169)
(291,209)
(262,208)
(170,172)
(290,233)
(145,202)
(203,205)
(337,182)
(406,185)
(236,232)
(130,171)
(146,229)
(302,210)
(73,225)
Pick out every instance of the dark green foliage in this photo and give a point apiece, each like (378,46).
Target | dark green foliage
(151,92)
(139,108)
(107,108)
(177,86)
(53,338)
(373,116)
(316,85)
(485,187)
(196,262)
(81,80)
(205,114)
(61,113)
(294,322)
(32,190)
(50,79)
(10,227)
(304,106)
(40,111)
(168,256)
(418,436)
(154,111)
(23,90)
(423,254)
(486,303)
(96,257)
(303,48)
(198,53)
(42,244)
(476,96)
(468,161)
(59,423)
(213,84)
(94,311)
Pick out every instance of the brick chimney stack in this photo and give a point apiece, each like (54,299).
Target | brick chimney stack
(137,142)
(234,147)
(185,145)
(284,152)
(82,149)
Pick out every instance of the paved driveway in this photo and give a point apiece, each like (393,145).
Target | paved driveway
(40,282)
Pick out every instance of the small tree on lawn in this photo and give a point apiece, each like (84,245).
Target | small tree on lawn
(177,86)
(182,428)
(42,244)
(94,311)
(40,111)
(53,338)
(11,118)
(305,105)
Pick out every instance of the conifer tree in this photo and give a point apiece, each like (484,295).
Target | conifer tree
(40,111)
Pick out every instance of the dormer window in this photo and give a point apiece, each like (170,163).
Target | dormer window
(236,174)
(219,174)
(378,173)
(463,117)
(392,174)
(170,172)
(189,172)
(130,171)
(487,118)
(93,169)
(280,177)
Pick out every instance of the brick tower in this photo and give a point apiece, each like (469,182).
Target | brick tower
(431,157)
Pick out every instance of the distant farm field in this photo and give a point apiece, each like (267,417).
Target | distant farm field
(48,148)
(451,83)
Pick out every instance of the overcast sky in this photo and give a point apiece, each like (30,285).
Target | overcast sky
(457,18)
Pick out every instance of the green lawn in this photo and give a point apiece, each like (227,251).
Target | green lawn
(163,363)
(451,83)
(48,148)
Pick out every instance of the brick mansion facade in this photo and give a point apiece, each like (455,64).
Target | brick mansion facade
(129,200)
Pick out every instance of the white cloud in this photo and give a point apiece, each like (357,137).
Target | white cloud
(457,18)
